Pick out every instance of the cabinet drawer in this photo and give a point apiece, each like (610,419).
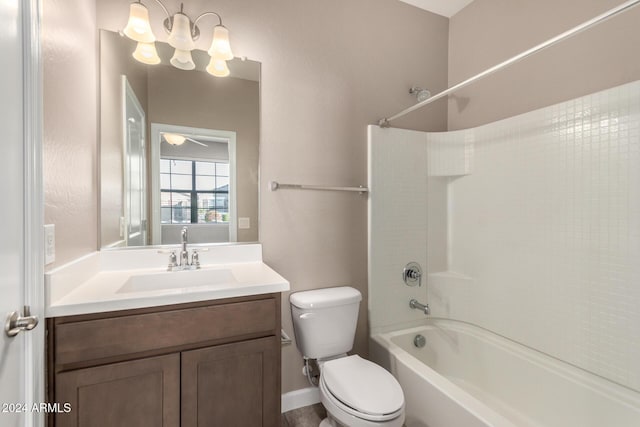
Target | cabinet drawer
(138,333)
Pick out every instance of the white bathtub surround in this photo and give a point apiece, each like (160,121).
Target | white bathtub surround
(538,240)
(397,223)
(468,376)
(135,278)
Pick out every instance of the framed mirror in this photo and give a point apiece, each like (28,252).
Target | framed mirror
(177,148)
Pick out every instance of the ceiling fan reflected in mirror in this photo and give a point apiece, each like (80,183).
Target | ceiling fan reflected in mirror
(177,139)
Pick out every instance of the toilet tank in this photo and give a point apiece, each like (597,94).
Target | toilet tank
(324,320)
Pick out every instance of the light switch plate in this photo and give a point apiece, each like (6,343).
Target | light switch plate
(49,243)
(244,223)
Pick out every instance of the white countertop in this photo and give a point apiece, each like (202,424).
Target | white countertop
(101,281)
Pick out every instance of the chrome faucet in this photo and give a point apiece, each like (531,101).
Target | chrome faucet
(184,253)
(179,263)
(413,303)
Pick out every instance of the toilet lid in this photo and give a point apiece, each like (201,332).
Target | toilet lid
(363,385)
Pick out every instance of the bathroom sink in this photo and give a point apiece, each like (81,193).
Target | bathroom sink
(177,280)
(134,278)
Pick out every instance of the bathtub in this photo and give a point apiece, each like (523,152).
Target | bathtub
(466,376)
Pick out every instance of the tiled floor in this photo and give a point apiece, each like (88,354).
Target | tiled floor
(309,416)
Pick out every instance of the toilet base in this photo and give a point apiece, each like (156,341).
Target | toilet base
(328,422)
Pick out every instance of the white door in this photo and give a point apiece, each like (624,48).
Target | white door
(20,379)
(135,164)
(11,235)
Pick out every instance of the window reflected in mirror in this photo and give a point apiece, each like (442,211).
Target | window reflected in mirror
(194,192)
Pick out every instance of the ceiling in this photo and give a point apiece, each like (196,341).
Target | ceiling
(446,8)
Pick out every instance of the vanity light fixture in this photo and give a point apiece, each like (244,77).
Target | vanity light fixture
(138,27)
(146,53)
(182,33)
(218,68)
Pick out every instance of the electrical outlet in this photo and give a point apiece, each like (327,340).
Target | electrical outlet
(49,243)
(244,223)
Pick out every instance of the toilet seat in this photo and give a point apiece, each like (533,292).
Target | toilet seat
(350,417)
(362,389)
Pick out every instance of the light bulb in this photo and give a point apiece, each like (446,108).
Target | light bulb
(218,68)
(220,46)
(146,53)
(138,27)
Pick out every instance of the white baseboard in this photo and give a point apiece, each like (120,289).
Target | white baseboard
(300,398)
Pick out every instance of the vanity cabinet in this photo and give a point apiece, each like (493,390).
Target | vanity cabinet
(212,363)
(218,382)
(142,393)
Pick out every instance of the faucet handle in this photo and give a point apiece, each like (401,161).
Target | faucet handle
(195,259)
(411,274)
(173,261)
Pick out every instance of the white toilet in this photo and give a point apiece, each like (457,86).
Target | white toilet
(354,391)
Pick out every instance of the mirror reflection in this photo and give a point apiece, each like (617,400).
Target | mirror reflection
(178,148)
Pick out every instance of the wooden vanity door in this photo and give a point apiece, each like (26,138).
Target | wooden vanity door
(232,385)
(141,393)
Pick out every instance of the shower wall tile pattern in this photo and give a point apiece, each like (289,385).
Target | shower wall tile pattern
(548,225)
(397,223)
(449,156)
(545,222)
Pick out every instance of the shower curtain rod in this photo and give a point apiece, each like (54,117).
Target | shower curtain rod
(573,31)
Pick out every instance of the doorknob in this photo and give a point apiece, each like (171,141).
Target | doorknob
(16,323)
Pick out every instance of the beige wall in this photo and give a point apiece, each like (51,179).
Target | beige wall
(328,69)
(69,128)
(490,31)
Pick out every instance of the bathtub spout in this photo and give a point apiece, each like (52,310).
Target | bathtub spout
(415,304)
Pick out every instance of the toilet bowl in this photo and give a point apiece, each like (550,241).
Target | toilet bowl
(354,391)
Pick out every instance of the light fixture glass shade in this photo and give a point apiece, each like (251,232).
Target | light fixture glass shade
(146,53)
(138,27)
(174,138)
(220,46)
(218,68)
(182,59)
(180,37)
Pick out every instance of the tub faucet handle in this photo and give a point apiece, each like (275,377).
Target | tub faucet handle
(412,273)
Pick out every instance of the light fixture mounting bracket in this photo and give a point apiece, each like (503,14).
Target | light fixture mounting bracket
(195,31)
